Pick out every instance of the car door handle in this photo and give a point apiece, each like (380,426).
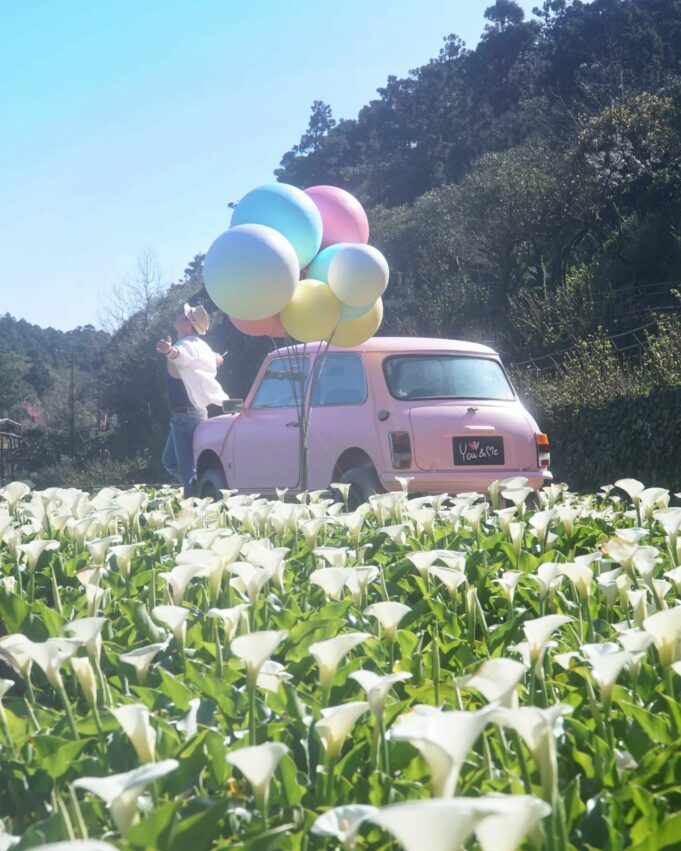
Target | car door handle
(293,424)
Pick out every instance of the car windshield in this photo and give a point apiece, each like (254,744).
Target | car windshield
(446,377)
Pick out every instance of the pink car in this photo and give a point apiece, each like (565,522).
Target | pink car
(442,412)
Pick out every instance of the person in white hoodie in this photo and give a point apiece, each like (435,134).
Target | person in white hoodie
(195,363)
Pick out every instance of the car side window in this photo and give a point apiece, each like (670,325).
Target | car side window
(282,384)
(342,381)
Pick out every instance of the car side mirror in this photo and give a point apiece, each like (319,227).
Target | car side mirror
(232,406)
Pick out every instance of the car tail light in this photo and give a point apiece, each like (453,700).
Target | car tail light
(400,449)
(543,450)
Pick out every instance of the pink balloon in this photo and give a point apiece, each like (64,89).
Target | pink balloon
(342,215)
(270,327)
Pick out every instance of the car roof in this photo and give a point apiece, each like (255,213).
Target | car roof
(399,345)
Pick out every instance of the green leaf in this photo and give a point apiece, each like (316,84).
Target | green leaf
(667,835)
(153,831)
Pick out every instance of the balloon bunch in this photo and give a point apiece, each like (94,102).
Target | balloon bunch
(296,263)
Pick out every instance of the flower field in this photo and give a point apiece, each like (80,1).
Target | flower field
(421,673)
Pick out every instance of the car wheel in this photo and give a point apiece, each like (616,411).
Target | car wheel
(363,483)
(211,483)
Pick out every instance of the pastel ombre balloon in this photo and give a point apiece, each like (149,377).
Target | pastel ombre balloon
(357,331)
(358,274)
(319,270)
(250,272)
(269,327)
(287,210)
(312,313)
(343,216)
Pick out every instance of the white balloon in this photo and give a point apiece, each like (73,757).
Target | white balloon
(250,272)
(358,275)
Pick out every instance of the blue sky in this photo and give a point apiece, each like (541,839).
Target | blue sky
(129,126)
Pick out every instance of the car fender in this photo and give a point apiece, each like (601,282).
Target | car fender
(212,435)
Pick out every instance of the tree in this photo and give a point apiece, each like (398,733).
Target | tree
(138,292)
(504,14)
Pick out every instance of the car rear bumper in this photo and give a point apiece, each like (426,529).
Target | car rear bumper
(470,480)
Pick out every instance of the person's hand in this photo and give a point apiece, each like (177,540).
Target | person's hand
(164,346)
(219,360)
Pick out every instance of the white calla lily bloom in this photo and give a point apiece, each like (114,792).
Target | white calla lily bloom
(342,823)
(377,687)
(122,791)
(134,719)
(509,820)
(444,740)
(85,675)
(272,675)
(335,724)
(174,617)
(665,628)
(180,576)
(389,615)
(442,824)
(606,661)
(496,680)
(34,549)
(89,631)
(255,648)
(141,658)
(538,631)
(258,763)
(230,618)
(329,653)
(332,580)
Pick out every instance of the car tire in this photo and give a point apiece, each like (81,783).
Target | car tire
(211,483)
(363,483)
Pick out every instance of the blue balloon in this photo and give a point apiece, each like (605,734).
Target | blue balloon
(287,210)
(319,268)
(348,312)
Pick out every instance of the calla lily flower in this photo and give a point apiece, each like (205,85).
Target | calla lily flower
(358,581)
(86,678)
(444,740)
(5,686)
(508,581)
(271,559)
(516,532)
(496,680)
(517,495)
(250,578)
(328,653)
(141,659)
(230,618)
(474,515)
(332,580)
(638,600)
(255,648)
(13,493)
(189,723)
(537,728)
(377,686)
(447,824)
(333,556)
(131,503)
(174,617)
(121,792)
(397,533)
(606,661)
(258,763)
(449,577)
(538,631)
(89,631)
(14,645)
(540,522)
(50,655)
(34,549)
(179,578)
(122,555)
(607,585)
(272,675)
(311,529)
(548,577)
(632,488)
(134,720)
(665,628)
(388,614)
(335,724)
(567,516)
(98,547)
(342,823)
(581,577)
(670,520)
(509,820)
(651,499)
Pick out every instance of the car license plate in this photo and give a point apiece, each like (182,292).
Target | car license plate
(478,451)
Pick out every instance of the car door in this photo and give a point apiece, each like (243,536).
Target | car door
(341,417)
(266,441)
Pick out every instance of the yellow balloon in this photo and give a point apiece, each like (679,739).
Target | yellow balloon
(356,331)
(312,313)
